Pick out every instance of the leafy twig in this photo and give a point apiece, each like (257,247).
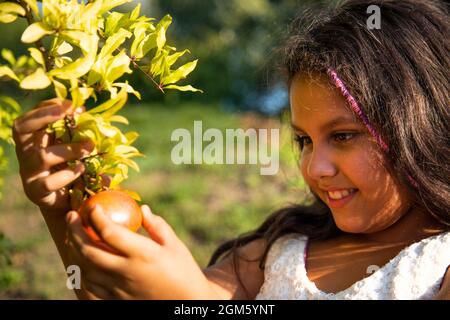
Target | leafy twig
(39,44)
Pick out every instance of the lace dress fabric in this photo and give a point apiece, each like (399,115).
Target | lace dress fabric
(415,273)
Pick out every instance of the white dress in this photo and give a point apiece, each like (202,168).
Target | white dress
(415,273)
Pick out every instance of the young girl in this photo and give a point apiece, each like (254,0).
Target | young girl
(370,114)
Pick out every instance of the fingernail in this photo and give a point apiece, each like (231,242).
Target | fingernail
(69,217)
(147,210)
(79,168)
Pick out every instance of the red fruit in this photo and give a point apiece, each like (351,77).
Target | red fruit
(117,205)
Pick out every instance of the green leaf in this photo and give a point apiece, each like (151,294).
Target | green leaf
(181,73)
(113,22)
(171,59)
(35,31)
(161,30)
(36,80)
(136,12)
(12,103)
(183,88)
(6,71)
(8,56)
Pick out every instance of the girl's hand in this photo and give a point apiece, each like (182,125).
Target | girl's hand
(140,268)
(43,167)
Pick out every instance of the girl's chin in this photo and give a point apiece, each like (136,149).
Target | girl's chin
(351,224)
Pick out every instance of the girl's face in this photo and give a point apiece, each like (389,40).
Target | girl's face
(341,162)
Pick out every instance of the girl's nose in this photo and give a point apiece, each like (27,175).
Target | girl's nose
(321,165)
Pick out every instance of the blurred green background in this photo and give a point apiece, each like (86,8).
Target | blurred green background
(235,43)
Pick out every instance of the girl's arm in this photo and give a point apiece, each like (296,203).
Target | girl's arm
(130,266)
(444,292)
(43,168)
(224,279)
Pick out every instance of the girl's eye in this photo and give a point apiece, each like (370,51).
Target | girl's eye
(343,137)
(303,141)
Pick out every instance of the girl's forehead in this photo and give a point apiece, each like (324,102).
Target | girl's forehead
(315,102)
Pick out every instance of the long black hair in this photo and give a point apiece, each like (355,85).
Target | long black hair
(399,75)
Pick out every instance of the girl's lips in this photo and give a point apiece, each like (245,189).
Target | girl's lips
(341,202)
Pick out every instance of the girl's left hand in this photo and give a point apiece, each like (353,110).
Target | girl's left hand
(160,267)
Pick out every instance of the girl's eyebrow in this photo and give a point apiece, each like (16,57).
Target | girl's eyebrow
(330,124)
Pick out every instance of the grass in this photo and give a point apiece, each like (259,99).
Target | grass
(205,204)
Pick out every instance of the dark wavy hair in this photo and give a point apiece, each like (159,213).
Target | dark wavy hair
(400,76)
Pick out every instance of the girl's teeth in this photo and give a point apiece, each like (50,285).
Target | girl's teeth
(337,195)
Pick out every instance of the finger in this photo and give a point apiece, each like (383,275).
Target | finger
(100,278)
(39,118)
(157,228)
(31,143)
(97,292)
(118,237)
(87,249)
(45,183)
(61,153)
(48,102)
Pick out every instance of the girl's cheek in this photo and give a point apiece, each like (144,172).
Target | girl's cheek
(303,166)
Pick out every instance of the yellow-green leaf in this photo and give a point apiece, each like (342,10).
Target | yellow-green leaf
(119,119)
(60,89)
(33,6)
(114,42)
(36,80)
(64,48)
(35,31)
(7,17)
(183,88)
(180,73)
(111,4)
(37,56)
(12,8)
(81,66)
(129,89)
(9,56)
(6,71)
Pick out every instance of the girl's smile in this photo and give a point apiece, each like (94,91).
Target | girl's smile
(339,198)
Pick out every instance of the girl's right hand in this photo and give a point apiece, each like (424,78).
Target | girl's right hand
(43,164)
